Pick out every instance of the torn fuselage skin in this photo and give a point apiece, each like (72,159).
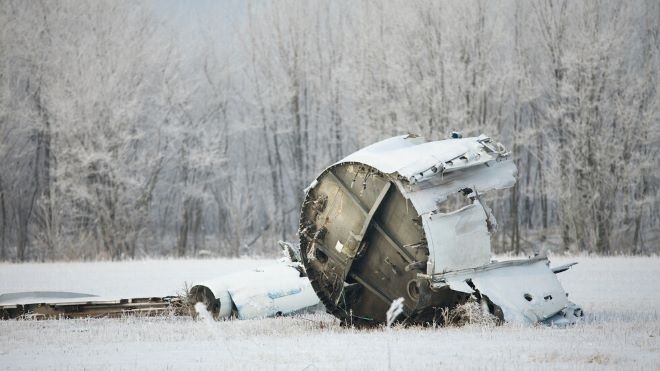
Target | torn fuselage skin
(404,218)
(268,291)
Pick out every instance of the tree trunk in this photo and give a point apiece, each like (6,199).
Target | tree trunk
(21,237)
(3,224)
(196,225)
(515,225)
(183,229)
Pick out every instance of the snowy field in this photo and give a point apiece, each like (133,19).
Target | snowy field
(621,330)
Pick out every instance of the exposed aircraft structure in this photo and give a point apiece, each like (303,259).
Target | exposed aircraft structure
(403,218)
(53,304)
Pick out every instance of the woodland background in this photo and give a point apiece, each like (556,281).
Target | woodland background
(139,129)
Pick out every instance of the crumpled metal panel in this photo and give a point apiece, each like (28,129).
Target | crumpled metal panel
(427,195)
(417,160)
(527,291)
(456,163)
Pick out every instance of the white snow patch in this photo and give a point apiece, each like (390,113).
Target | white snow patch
(203,313)
(619,295)
(396,308)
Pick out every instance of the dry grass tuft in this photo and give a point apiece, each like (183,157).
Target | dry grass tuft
(471,312)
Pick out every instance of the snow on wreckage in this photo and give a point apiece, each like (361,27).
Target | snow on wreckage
(398,221)
(264,292)
(273,290)
(379,225)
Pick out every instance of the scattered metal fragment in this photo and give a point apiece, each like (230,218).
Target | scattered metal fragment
(275,290)
(46,305)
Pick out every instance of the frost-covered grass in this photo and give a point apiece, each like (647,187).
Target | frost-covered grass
(621,329)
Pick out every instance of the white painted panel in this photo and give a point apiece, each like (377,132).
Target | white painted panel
(263,292)
(459,239)
(272,296)
(527,293)
(427,195)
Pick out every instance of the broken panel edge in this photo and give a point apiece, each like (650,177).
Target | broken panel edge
(526,291)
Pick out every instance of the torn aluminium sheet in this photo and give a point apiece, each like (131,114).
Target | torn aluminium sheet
(521,291)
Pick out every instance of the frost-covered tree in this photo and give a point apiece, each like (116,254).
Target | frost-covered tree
(132,129)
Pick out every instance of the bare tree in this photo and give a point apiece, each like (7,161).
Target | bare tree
(127,130)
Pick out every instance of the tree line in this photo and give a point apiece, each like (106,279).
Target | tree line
(134,129)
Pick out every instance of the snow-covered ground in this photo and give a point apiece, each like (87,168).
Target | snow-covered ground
(619,295)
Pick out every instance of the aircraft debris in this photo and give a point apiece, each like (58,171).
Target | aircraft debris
(278,289)
(403,218)
(396,230)
(270,291)
(50,304)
